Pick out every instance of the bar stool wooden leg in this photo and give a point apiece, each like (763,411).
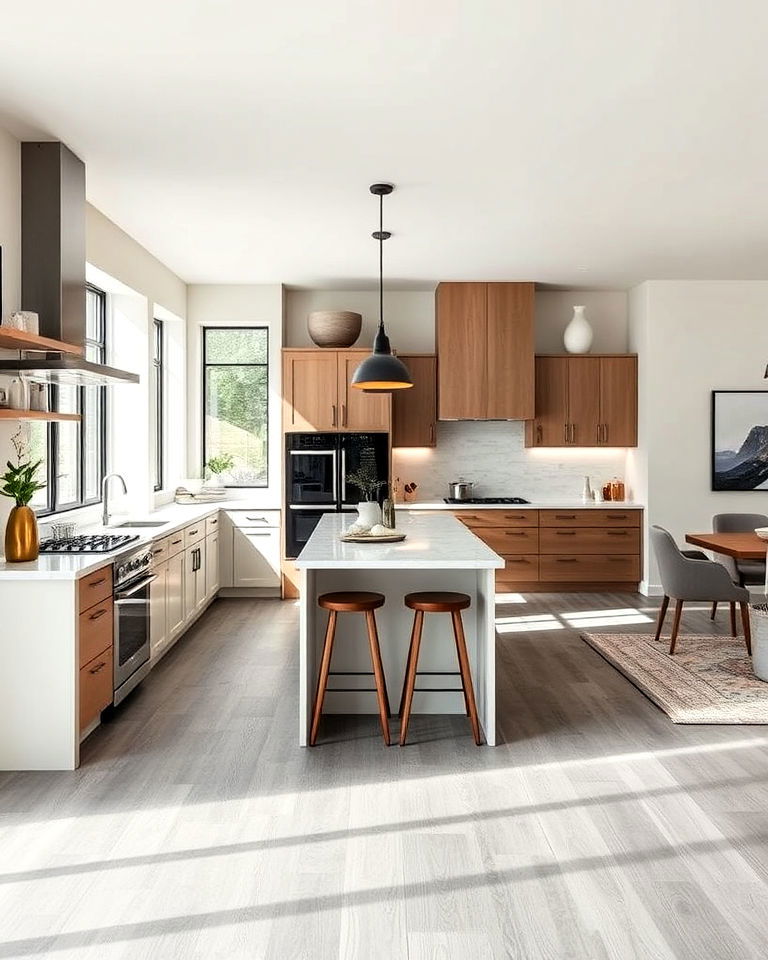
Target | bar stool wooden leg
(466,675)
(322,679)
(410,678)
(662,616)
(378,673)
(714,610)
(733,619)
(747,627)
(407,668)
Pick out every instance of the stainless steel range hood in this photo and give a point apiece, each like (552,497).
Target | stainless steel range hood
(53,266)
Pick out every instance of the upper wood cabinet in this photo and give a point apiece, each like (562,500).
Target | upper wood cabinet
(359,410)
(485,351)
(586,401)
(414,411)
(318,396)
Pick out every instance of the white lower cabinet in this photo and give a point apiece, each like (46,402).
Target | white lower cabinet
(211,565)
(256,557)
(174,595)
(194,580)
(158,609)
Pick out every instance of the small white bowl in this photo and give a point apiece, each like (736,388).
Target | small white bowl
(762,532)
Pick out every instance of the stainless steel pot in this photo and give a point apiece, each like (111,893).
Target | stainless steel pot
(460,490)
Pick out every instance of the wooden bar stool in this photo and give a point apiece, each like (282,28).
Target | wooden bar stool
(437,602)
(351,602)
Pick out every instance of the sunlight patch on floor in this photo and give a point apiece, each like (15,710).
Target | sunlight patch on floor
(502,598)
(540,621)
(604,618)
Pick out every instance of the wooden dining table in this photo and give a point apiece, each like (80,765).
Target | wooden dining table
(740,546)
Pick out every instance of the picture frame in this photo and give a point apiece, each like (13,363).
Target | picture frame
(739,441)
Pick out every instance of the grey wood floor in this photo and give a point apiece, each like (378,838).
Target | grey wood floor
(196,828)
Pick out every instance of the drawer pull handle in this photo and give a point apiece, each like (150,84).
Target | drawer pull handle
(515,533)
(616,533)
(99,667)
(212,521)
(565,516)
(619,559)
(616,516)
(259,519)
(95,583)
(174,542)
(98,615)
(565,533)
(514,516)
(566,559)
(516,560)
(192,533)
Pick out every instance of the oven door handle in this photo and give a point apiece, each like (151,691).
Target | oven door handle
(124,595)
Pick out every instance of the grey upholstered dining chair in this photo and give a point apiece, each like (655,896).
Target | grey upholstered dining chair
(743,572)
(684,578)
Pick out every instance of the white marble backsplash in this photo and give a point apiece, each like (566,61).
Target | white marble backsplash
(493,454)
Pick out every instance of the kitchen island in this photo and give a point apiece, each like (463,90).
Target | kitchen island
(439,553)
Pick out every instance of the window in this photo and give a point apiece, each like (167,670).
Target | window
(235,401)
(158,369)
(74,452)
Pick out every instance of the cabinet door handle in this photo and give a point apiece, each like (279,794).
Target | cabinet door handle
(431,433)
(99,667)
(98,615)
(605,433)
(565,432)
(343,414)
(539,433)
(333,414)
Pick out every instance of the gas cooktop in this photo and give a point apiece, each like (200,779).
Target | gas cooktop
(94,543)
(479,500)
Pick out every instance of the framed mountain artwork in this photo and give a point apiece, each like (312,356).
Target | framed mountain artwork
(740,440)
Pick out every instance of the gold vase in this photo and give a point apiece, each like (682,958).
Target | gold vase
(21,539)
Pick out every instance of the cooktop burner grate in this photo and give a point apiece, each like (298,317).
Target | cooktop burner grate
(94,543)
(480,500)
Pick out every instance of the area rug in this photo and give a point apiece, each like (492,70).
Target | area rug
(708,680)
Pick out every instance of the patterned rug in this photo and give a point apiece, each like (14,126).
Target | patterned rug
(708,680)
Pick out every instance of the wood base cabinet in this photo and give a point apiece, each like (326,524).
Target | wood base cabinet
(562,550)
(584,401)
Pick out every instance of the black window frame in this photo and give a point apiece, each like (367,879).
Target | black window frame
(205,365)
(52,440)
(158,368)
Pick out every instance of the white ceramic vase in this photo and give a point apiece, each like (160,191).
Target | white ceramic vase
(368,513)
(578,334)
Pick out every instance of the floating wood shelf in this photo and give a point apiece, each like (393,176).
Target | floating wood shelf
(7,414)
(12,339)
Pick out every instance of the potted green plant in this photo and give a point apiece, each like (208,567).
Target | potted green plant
(216,466)
(367,482)
(22,541)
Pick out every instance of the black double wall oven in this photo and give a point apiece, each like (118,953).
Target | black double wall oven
(318,471)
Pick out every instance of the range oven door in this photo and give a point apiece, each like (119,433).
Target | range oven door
(131,635)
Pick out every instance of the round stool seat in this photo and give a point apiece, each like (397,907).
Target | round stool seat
(436,601)
(351,601)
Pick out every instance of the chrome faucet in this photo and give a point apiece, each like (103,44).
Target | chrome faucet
(105,495)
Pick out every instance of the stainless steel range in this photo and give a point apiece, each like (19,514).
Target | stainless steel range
(90,543)
(503,501)
(132,576)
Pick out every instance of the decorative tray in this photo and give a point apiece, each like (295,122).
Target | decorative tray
(367,538)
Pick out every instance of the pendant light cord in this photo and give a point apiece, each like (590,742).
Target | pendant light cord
(381,261)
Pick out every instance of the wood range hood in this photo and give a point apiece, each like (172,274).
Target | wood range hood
(53,267)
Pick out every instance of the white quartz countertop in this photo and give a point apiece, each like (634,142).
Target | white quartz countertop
(534,505)
(72,566)
(432,543)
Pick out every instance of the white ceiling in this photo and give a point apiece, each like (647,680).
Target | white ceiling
(575,142)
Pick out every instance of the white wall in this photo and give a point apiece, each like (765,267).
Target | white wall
(409,316)
(233,305)
(692,337)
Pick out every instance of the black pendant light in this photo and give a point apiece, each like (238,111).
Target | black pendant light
(381,372)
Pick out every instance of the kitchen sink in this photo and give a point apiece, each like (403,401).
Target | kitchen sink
(142,523)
